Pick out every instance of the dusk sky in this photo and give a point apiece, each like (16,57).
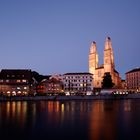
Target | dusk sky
(54,36)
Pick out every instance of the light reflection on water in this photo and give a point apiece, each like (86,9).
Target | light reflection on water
(84,120)
(103,121)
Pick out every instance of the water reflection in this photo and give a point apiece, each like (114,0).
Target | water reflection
(84,120)
(113,120)
(127,105)
(103,120)
(13,113)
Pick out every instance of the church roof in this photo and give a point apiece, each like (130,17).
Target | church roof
(101,67)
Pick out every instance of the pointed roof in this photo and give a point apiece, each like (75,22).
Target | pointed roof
(108,44)
(93,48)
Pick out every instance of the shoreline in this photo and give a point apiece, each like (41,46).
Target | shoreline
(69,98)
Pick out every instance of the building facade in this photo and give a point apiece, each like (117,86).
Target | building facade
(107,67)
(133,79)
(78,82)
(50,86)
(16,82)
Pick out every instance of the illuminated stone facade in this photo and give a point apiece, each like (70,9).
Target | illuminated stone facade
(133,79)
(108,66)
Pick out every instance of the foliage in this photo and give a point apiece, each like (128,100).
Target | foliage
(37,76)
(107,81)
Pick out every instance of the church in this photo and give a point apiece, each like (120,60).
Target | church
(108,65)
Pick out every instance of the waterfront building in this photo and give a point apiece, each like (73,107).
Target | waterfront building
(50,86)
(16,82)
(123,84)
(108,65)
(133,79)
(78,82)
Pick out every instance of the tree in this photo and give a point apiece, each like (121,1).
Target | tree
(37,76)
(107,81)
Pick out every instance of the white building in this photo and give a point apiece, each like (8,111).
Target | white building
(78,82)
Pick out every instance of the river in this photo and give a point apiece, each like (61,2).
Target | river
(70,120)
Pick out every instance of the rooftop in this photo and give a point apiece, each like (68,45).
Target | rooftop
(15,74)
(133,70)
(79,73)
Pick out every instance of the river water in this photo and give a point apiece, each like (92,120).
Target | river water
(70,120)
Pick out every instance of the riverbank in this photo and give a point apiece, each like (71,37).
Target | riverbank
(61,98)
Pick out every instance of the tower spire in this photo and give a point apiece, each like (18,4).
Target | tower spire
(108,56)
(108,44)
(93,48)
(93,58)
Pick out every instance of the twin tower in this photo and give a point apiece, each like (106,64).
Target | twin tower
(107,67)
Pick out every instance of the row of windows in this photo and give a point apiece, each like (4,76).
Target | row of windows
(79,85)
(13,88)
(133,84)
(136,87)
(18,81)
(15,75)
(133,75)
(78,77)
(78,80)
(14,92)
(52,89)
(133,80)
(80,89)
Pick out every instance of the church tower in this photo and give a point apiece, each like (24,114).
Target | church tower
(108,56)
(93,58)
(108,65)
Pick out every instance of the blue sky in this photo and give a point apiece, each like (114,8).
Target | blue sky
(54,36)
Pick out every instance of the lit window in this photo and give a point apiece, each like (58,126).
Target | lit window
(24,92)
(13,93)
(18,81)
(7,80)
(18,87)
(24,80)
(81,85)
(19,92)
(25,87)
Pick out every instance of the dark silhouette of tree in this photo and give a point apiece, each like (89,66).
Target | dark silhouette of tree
(107,81)
(39,77)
